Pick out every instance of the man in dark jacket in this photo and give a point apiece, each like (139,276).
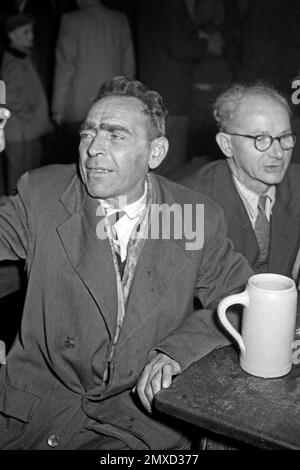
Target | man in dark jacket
(108,317)
(256,138)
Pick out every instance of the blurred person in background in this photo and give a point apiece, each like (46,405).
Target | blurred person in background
(94,44)
(169,46)
(45,15)
(26,100)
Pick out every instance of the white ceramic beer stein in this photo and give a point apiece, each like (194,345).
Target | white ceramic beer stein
(268,324)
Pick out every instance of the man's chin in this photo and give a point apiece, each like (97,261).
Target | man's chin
(98,192)
(95,192)
(274,176)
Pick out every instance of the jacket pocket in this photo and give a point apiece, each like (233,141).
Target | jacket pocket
(16,408)
(17,403)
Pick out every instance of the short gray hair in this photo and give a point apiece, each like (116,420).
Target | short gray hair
(153,105)
(226,105)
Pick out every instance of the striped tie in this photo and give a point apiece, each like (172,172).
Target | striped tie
(113,218)
(262,230)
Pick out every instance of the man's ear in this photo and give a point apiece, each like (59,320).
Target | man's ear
(158,151)
(224,142)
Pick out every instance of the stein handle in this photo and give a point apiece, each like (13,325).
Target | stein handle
(243,299)
(2,352)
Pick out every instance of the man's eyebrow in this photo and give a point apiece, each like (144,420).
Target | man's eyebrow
(87,126)
(114,127)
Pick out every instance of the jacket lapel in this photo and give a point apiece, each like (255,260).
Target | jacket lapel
(90,257)
(285,230)
(158,267)
(159,264)
(240,230)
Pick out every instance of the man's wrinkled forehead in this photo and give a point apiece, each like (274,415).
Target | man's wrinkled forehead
(118,108)
(124,102)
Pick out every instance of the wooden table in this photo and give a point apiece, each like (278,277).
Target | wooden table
(215,394)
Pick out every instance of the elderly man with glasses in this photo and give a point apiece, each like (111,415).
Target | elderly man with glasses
(256,185)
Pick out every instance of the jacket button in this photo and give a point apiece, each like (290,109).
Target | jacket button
(69,342)
(53,440)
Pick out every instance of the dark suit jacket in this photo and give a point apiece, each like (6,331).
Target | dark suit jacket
(215,180)
(53,380)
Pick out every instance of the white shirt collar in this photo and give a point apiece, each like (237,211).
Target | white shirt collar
(132,210)
(250,199)
(126,224)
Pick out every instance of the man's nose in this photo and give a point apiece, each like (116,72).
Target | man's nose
(276,150)
(98,145)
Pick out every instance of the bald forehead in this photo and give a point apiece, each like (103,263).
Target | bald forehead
(252,106)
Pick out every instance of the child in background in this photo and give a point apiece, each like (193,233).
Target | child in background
(26,100)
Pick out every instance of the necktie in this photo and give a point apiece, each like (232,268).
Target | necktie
(262,230)
(113,218)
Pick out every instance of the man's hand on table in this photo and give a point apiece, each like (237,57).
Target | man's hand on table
(157,375)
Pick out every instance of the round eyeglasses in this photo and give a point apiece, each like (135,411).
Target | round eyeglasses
(263,142)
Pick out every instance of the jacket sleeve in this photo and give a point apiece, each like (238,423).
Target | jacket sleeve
(222,272)
(14,233)
(12,74)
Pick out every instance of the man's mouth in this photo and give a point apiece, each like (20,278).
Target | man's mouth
(99,171)
(274,169)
